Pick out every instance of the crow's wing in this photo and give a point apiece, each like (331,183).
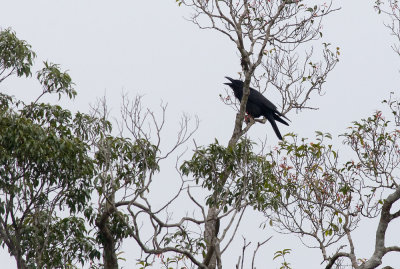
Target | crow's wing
(257,98)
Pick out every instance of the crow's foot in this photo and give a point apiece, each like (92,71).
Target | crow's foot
(247,118)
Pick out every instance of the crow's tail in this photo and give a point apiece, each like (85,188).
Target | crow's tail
(283,116)
(274,126)
(277,118)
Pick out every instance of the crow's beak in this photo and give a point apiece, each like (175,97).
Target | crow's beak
(229,83)
(230,79)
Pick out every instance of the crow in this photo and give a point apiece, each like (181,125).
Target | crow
(258,105)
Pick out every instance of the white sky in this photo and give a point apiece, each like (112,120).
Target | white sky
(147,47)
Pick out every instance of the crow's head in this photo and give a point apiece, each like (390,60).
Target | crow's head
(236,85)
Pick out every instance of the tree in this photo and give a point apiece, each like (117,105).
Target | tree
(268,42)
(16,55)
(103,178)
(44,167)
(125,167)
(53,163)
(267,34)
(325,200)
(325,197)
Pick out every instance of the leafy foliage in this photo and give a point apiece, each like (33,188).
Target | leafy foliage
(249,175)
(58,242)
(16,55)
(55,81)
(325,200)
(126,161)
(43,166)
(315,195)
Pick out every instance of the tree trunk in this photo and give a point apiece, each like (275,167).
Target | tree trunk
(109,256)
(210,235)
(21,264)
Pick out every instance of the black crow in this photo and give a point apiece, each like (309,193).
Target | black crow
(258,105)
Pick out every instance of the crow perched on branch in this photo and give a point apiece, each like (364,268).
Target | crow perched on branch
(257,105)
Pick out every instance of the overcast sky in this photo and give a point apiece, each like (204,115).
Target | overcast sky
(147,47)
